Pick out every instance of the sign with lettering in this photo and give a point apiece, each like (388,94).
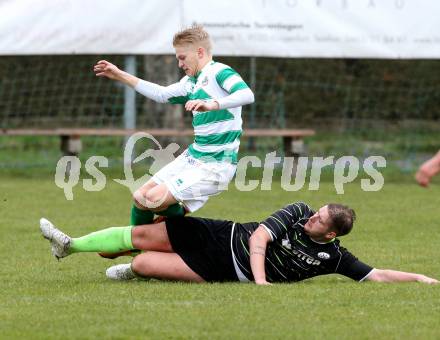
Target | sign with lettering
(273,28)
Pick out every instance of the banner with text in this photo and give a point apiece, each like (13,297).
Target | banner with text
(274,28)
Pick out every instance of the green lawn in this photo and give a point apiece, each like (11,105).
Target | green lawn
(397,228)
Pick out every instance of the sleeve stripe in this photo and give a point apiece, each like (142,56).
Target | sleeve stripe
(239,86)
(178,100)
(299,207)
(276,219)
(366,276)
(224,74)
(231,81)
(286,212)
(340,257)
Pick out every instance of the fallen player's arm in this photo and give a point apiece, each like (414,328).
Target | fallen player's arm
(257,250)
(387,275)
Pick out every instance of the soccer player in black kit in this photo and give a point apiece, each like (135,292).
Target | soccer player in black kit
(293,244)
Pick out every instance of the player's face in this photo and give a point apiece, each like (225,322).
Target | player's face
(318,226)
(188,59)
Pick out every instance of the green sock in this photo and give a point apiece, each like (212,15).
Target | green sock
(110,240)
(140,217)
(174,210)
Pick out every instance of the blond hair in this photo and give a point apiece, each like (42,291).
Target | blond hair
(194,35)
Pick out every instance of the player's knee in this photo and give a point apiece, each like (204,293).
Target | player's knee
(144,200)
(138,236)
(150,196)
(154,199)
(138,266)
(151,200)
(135,266)
(139,199)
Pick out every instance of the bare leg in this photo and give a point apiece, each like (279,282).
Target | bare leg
(169,266)
(151,237)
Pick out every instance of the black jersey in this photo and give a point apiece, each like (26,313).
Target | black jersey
(293,255)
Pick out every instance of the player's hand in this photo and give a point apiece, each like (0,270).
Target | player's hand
(427,280)
(422,177)
(201,105)
(105,69)
(428,170)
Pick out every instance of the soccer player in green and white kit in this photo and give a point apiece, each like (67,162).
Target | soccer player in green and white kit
(214,93)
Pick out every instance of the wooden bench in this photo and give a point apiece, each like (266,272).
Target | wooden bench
(71,142)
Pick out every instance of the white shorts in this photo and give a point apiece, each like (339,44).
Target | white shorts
(192,181)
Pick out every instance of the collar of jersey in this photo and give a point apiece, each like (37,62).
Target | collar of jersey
(194,78)
(332,240)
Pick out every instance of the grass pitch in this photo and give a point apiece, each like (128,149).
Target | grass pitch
(397,228)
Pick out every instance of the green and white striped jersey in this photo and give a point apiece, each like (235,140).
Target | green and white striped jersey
(216,133)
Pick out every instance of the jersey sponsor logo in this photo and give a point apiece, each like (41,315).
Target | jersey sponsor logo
(304,257)
(286,243)
(323,255)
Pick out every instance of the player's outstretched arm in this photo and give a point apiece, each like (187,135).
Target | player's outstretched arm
(174,93)
(387,275)
(257,250)
(103,68)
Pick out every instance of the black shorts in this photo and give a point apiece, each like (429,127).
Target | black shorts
(204,245)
